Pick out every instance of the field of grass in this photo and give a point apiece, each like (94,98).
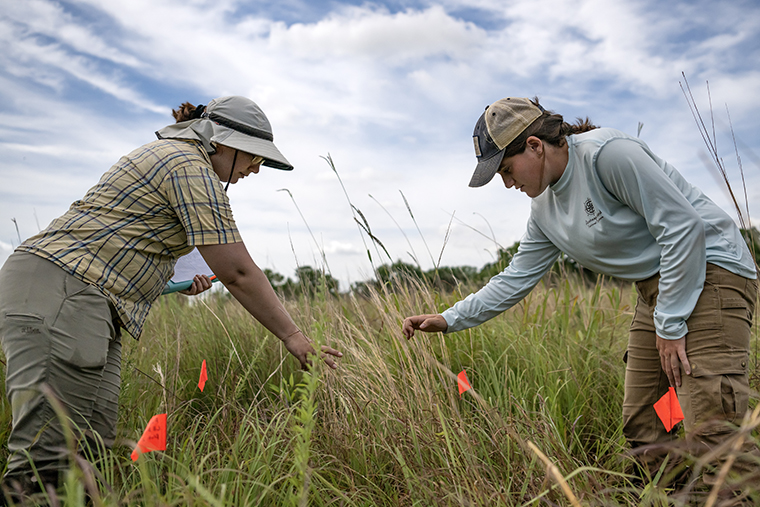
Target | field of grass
(388,427)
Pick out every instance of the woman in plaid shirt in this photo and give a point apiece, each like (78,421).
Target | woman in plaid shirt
(66,293)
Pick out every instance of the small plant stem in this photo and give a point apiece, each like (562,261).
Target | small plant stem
(413,254)
(553,471)
(409,209)
(330,162)
(749,424)
(319,248)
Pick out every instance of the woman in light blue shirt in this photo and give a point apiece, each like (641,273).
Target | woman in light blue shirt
(603,198)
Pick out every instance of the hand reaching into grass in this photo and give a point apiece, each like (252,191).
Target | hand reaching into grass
(250,286)
(300,347)
(430,323)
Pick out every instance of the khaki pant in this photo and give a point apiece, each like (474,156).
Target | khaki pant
(717,346)
(59,332)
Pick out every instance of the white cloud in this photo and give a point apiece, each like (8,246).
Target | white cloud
(343,248)
(31,50)
(395,39)
(732,91)
(42,18)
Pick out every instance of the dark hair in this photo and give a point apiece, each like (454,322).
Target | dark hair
(550,127)
(187,111)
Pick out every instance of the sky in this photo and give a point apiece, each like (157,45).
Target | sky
(388,91)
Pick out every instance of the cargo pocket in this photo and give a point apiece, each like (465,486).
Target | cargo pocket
(734,395)
(737,309)
(25,340)
(83,327)
(719,390)
(16,325)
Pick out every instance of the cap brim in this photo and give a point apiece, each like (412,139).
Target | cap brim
(257,146)
(486,169)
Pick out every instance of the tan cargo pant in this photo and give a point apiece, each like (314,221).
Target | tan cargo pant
(59,332)
(717,346)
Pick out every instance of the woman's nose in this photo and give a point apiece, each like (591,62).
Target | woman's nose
(508,181)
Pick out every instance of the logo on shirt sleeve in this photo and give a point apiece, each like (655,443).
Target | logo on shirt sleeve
(594,216)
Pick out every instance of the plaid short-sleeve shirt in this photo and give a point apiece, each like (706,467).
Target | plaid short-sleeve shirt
(153,206)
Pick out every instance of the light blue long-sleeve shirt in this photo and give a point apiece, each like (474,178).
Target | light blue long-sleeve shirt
(619,210)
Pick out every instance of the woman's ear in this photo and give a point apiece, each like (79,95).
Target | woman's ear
(535,144)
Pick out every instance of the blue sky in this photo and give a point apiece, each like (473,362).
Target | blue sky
(391,90)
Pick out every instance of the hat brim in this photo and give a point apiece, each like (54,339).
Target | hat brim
(486,169)
(257,146)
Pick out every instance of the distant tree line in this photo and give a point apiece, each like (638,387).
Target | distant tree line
(312,282)
(308,282)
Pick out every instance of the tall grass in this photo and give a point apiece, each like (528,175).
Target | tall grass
(388,427)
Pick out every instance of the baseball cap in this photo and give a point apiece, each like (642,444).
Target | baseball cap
(234,121)
(499,125)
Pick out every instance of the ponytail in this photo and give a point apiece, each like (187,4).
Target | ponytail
(549,127)
(187,111)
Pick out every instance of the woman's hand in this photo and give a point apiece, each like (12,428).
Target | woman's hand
(430,323)
(250,286)
(201,283)
(300,347)
(672,356)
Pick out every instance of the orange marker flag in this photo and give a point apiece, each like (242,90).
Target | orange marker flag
(204,376)
(668,409)
(153,438)
(464,384)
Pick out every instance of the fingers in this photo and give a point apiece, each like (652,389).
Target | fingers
(193,290)
(326,356)
(408,327)
(684,360)
(299,345)
(329,361)
(190,291)
(675,370)
(204,281)
(200,284)
(665,364)
(672,357)
(327,352)
(331,351)
(429,323)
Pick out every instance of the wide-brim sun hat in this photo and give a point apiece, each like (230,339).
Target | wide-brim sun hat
(233,121)
(499,125)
